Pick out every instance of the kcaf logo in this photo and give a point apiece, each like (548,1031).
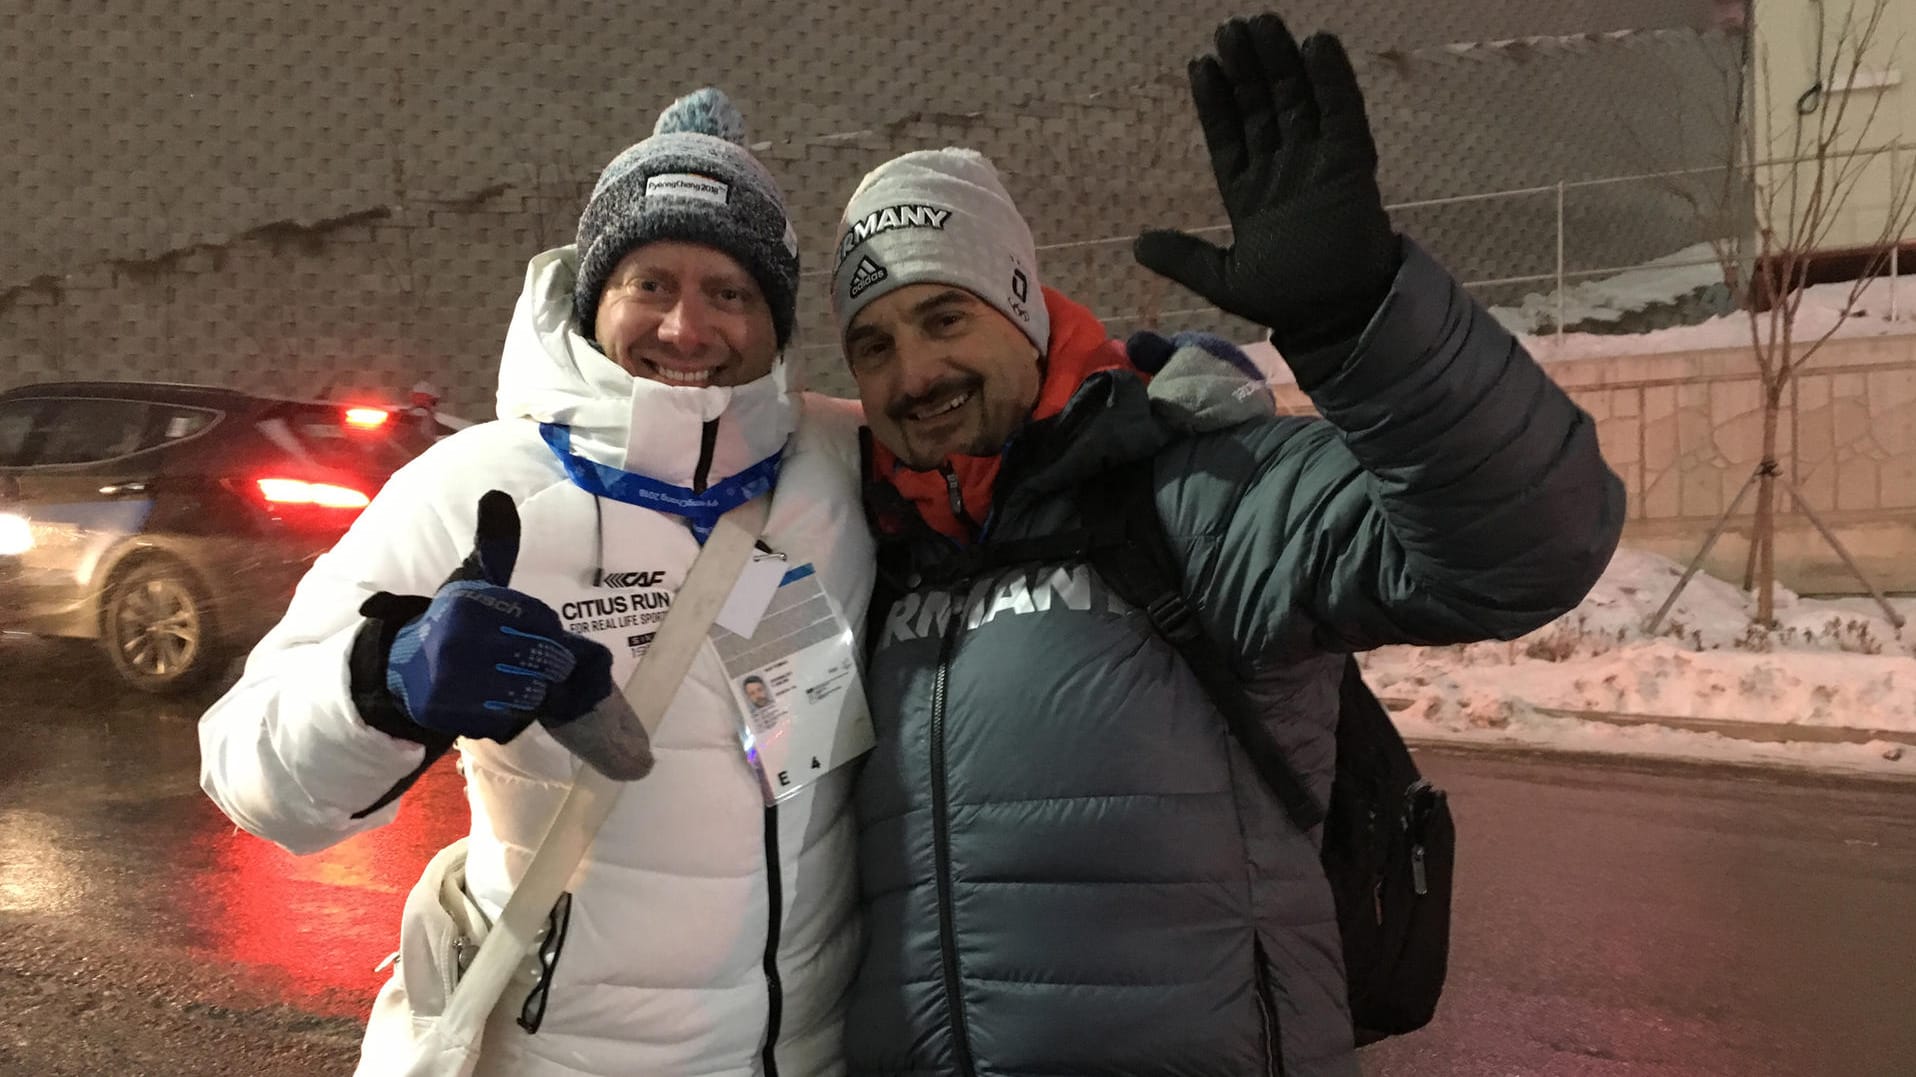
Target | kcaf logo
(866,275)
(623,580)
(924,614)
(878,222)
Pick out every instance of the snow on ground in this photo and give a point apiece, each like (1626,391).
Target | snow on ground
(1834,665)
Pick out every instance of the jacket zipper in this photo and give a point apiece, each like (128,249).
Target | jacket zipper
(955,491)
(708,445)
(941,843)
(774,885)
(1266,1012)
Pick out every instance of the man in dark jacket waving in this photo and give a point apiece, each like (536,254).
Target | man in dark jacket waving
(1068,864)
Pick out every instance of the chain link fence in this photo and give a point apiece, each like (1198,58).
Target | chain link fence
(290,199)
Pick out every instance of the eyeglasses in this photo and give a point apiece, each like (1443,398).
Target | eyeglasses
(551,941)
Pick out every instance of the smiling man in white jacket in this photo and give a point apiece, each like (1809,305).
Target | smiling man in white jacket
(709,933)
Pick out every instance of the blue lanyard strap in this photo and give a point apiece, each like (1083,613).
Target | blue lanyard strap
(701,510)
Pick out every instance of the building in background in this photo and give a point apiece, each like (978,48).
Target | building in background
(1797,48)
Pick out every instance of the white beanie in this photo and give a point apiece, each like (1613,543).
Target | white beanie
(938,217)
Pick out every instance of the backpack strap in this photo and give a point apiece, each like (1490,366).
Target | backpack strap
(1134,557)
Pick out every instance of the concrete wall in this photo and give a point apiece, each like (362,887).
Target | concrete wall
(278,195)
(135,128)
(1685,431)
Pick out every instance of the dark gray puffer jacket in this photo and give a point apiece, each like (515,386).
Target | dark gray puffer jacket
(1068,865)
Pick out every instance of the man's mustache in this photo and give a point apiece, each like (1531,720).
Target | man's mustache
(941,389)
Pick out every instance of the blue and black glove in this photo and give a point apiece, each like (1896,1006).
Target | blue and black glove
(1312,254)
(483,661)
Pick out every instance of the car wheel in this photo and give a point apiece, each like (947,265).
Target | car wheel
(158,628)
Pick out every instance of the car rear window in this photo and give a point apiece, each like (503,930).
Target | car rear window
(16,422)
(324,435)
(64,431)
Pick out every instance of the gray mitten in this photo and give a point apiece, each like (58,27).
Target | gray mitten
(609,737)
(1201,382)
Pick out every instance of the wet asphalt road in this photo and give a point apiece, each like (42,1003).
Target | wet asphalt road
(1611,920)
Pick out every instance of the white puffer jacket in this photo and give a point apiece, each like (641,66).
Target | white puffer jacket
(663,970)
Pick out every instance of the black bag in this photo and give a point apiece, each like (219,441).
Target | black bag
(1389,843)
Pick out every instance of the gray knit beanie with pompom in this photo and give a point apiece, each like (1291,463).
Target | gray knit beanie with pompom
(692,181)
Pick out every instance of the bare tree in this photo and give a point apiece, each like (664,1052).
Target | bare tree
(1774,221)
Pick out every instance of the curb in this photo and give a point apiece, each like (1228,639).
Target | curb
(1767,769)
(1760,732)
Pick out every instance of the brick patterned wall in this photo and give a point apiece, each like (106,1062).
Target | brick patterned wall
(1684,430)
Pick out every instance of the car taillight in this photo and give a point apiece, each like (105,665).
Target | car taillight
(367,418)
(325,495)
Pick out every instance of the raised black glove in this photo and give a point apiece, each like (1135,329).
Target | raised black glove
(1313,254)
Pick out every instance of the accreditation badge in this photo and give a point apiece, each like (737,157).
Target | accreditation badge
(793,671)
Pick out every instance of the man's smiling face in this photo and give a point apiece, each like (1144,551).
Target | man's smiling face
(686,314)
(941,373)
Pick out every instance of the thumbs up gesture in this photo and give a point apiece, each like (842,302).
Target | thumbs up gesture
(483,660)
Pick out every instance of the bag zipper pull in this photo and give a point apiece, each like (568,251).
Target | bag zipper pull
(1418,880)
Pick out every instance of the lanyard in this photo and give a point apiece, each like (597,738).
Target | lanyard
(701,510)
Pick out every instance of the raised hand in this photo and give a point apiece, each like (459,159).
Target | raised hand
(484,660)
(1313,253)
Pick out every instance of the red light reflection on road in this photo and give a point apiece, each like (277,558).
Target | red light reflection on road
(317,925)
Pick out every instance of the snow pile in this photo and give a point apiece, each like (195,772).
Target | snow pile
(1834,665)
(1608,299)
(1710,615)
(1821,310)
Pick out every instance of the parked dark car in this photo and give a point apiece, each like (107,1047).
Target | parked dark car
(170,522)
